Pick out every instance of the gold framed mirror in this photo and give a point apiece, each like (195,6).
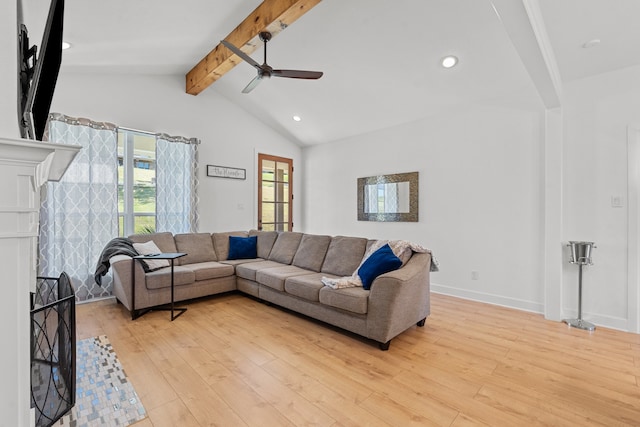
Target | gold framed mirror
(388,198)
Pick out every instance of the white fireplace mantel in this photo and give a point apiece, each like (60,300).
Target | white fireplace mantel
(24,166)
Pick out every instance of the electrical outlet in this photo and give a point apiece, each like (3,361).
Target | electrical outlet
(475,275)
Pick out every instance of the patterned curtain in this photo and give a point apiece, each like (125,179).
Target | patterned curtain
(371,198)
(391,200)
(176,184)
(381,198)
(79,214)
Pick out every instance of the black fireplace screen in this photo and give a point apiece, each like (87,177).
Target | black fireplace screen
(53,349)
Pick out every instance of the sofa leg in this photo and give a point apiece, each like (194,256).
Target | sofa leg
(421,323)
(384,346)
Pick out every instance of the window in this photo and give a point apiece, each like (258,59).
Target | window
(136,182)
(274,193)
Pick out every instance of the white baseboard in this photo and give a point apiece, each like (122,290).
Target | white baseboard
(599,320)
(530,306)
(95,300)
(519,304)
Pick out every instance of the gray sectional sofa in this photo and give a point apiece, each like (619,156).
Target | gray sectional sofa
(286,271)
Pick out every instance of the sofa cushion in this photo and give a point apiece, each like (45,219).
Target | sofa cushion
(243,247)
(162,278)
(381,261)
(284,249)
(307,286)
(344,255)
(197,246)
(248,270)
(210,270)
(354,300)
(150,248)
(266,239)
(311,252)
(164,241)
(221,243)
(275,277)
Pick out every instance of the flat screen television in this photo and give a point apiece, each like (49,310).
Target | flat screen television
(38,73)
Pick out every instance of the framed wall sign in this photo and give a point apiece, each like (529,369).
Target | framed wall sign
(226,172)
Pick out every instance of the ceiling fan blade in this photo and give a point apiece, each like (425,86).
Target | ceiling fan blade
(252,84)
(297,74)
(240,53)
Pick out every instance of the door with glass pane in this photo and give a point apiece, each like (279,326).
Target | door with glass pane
(274,193)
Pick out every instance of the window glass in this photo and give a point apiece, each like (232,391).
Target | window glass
(136,182)
(274,193)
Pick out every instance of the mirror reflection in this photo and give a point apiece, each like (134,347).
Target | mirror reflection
(388,197)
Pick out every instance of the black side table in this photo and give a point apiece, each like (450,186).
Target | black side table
(171,256)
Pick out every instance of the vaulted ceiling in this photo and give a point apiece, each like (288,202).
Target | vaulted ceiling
(381,58)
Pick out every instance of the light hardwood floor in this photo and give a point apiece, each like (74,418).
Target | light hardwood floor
(233,361)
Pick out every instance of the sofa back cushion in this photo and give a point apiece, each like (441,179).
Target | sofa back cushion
(344,255)
(221,243)
(164,241)
(266,239)
(285,247)
(311,252)
(149,248)
(197,246)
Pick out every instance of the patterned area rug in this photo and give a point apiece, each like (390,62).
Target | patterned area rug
(104,395)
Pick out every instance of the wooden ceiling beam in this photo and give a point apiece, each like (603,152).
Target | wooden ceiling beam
(270,15)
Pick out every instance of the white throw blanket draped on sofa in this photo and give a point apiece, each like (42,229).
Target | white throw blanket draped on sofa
(403,249)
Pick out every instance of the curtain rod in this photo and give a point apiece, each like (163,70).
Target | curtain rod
(137,130)
(165,136)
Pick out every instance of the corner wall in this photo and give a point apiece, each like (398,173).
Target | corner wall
(597,114)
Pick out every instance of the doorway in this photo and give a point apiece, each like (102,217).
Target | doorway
(275,196)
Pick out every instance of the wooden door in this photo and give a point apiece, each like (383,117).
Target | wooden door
(275,196)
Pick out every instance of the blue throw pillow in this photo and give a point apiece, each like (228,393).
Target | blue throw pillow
(243,247)
(381,261)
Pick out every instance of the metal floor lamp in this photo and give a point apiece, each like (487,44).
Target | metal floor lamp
(581,255)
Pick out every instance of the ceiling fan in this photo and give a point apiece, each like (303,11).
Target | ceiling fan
(264,70)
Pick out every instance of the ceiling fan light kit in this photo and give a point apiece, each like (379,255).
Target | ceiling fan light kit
(266,71)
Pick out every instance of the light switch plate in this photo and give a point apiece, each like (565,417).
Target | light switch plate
(617,201)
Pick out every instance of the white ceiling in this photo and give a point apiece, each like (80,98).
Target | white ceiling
(380,57)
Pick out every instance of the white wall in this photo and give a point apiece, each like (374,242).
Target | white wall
(481,197)
(597,112)
(230,137)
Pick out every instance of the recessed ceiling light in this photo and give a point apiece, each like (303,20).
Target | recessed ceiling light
(297,118)
(449,61)
(66,45)
(591,43)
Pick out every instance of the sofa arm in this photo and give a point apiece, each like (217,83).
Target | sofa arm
(121,266)
(399,299)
